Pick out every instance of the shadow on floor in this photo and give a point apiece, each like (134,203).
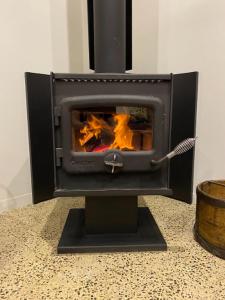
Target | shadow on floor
(53,227)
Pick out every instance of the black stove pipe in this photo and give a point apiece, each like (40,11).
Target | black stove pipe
(110,35)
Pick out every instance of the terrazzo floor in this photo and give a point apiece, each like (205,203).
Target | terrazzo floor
(31,269)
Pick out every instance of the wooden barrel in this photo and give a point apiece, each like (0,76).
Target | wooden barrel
(209,227)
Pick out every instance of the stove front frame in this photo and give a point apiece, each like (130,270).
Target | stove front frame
(40,90)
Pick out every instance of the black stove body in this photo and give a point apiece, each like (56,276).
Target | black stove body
(95,135)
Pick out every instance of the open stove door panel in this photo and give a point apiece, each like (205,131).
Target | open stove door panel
(184,99)
(39,113)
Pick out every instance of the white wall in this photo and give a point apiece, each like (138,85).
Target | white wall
(59,38)
(69,36)
(145,36)
(192,38)
(25,45)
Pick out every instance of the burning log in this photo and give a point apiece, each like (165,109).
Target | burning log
(93,128)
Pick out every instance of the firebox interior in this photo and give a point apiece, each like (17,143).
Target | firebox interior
(123,128)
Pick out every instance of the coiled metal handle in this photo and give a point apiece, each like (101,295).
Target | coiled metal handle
(181,148)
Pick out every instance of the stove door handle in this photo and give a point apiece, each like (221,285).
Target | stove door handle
(181,148)
(114,164)
(113,160)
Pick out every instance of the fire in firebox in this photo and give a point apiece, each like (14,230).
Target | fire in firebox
(122,128)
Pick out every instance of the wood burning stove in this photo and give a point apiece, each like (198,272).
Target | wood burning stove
(95,135)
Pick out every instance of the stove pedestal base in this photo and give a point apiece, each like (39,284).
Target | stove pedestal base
(74,239)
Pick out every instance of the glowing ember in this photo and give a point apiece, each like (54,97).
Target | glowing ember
(100,148)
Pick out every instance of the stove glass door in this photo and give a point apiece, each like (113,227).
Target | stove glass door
(125,128)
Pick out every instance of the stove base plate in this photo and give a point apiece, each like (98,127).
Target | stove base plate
(74,239)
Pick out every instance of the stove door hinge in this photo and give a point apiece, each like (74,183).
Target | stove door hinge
(59,156)
(57,115)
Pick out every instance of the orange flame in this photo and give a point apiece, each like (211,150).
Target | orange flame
(93,128)
(123,134)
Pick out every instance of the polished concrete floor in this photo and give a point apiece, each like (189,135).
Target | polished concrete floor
(31,269)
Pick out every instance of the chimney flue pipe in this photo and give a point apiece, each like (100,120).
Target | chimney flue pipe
(109,34)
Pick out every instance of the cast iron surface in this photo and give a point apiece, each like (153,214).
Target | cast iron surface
(113,76)
(75,240)
(95,191)
(39,111)
(111,214)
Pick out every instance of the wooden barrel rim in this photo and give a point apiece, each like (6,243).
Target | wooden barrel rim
(212,200)
(219,252)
